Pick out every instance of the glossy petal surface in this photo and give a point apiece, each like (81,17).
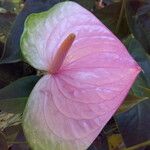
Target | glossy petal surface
(67,110)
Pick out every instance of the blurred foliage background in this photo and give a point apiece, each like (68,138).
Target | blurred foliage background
(129,20)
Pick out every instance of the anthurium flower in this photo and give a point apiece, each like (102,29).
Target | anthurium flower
(88,74)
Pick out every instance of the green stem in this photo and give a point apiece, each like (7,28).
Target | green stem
(120,17)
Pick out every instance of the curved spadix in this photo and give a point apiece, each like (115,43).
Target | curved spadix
(61,53)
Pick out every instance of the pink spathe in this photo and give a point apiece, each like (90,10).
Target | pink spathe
(69,107)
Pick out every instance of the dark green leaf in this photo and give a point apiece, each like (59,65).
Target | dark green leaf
(86,4)
(11,5)
(9,73)
(100,143)
(140,82)
(130,101)
(12,72)
(8,5)
(134,124)
(14,96)
(92,147)
(12,49)
(13,105)
(110,16)
(6,20)
(138,16)
(108,2)
(144,91)
(137,51)
(1,48)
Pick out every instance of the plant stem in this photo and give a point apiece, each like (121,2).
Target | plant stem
(120,17)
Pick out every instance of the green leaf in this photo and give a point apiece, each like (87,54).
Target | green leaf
(6,20)
(140,82)
(138,17)
(10,73)
(13,105)
(100,143)
(108,2)
(110,15)
(13,97)
(86,4)
(130,101)
(134,124)
(12,52)
(144,91)
(137,51)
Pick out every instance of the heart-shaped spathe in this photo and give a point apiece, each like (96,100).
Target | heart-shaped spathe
(89,73)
